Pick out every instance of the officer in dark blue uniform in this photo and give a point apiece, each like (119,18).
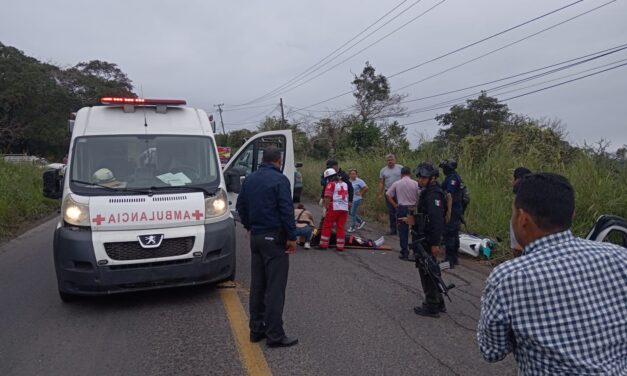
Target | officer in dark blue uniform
(266,210)
(429,228)
(452,188)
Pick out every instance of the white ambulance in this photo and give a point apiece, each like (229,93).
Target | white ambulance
(145,203)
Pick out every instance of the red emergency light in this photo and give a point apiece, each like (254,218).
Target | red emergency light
(140,101)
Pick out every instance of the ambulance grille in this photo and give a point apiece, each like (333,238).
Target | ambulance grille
(169,198)
(126,200)
(124,251)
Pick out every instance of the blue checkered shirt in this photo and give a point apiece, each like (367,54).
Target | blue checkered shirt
(561,308)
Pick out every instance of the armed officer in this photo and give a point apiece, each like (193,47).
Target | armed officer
(266,210)
(429,228)
(454,210)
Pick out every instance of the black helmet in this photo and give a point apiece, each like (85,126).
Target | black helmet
(426,170)
(331,163)
(448,164)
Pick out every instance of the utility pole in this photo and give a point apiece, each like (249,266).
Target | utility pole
(220,112)
(282,114)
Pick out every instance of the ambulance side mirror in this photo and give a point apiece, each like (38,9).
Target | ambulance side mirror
(52,184)
(233,179)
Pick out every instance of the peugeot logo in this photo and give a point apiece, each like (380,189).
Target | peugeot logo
(150,241)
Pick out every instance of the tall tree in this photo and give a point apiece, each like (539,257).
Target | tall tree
(477,116)
(36,98)
(373,100)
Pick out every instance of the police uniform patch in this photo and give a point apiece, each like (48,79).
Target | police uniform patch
(453,182)
(437,203)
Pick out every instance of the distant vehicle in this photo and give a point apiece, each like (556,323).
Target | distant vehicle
(25,159)
(298,183)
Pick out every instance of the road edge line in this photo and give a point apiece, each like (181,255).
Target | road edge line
(251,355)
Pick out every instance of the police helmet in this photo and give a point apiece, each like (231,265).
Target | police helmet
(426,170)
(329,172)
(448,164)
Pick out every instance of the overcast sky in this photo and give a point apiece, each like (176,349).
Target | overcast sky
(233,52)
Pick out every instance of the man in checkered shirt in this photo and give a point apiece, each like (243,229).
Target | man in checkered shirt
(562,306)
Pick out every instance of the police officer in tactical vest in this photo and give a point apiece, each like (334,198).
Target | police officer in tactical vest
(429,227)
(452,187)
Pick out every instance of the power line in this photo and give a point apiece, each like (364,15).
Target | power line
(457,49)
(245,121)
(306,71)
(363,49)
(595,55)
(505,46)
(562,83)
(448,103)
(541,89)
(267,105)
(563,65)
(513,83)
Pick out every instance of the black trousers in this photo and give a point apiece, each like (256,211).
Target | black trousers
(270,265)
(451,238)
(433,297)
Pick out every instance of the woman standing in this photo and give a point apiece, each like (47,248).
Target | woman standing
(359,189)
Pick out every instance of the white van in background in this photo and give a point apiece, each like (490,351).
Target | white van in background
(145,202)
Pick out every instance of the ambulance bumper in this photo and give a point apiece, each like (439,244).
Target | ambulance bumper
(78,272)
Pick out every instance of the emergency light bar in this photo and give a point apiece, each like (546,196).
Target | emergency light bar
(140,101)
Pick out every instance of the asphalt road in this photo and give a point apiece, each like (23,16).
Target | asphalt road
(352,312)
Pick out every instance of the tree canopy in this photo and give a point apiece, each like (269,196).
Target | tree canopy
(36,99)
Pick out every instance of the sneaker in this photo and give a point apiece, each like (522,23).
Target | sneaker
(411,257)
(402,257)
(350,229)
(307,245)
(361,225)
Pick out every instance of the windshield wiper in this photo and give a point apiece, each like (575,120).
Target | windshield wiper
(193,188)
(96,185)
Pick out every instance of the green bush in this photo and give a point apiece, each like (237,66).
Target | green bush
(21,199)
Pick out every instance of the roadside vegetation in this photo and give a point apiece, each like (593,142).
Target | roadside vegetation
(21,200)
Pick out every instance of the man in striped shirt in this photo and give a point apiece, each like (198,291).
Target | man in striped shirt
(561,307)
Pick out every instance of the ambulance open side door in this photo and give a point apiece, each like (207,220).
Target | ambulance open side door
(248,158)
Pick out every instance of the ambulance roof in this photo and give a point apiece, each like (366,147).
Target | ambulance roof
(111,120)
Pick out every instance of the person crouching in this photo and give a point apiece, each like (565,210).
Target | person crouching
(336,203)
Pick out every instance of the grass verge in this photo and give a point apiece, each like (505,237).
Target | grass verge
(21,199)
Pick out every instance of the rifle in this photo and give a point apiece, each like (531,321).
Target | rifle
(428,264)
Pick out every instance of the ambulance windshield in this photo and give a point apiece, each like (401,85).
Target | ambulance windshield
(137,162)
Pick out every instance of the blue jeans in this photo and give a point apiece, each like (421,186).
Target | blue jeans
(304,231)
(355,218)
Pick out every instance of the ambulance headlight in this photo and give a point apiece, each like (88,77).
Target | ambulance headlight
(75,213)
(217,205)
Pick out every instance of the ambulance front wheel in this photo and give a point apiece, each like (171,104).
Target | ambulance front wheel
(232,276)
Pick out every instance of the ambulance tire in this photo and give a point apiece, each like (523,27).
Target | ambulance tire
(231,278)
(67,298)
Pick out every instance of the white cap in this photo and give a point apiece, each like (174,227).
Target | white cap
(329,172)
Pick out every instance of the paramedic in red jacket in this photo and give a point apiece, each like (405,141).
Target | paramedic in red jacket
(336,203)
